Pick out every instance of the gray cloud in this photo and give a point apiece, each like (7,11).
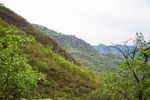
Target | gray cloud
(95,21)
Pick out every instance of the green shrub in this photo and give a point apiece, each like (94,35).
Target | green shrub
(17,76)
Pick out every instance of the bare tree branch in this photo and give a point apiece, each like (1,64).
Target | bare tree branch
(120,51)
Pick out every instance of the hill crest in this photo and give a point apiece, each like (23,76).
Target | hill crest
(12,18)
(83,52)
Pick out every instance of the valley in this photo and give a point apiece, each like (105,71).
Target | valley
(39,63)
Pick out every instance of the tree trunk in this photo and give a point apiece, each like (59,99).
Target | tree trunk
(140,96)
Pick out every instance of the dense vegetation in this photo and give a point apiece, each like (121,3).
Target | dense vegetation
(17,76)
(133,80)
(84,52)
(34,66)
(65,80)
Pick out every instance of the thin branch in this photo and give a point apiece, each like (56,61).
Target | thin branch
(143,77)
(120,51)
(136,77)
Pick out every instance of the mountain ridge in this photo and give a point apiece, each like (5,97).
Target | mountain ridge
(108,49)
(82,51)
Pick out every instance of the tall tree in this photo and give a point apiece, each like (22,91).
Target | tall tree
(133,80)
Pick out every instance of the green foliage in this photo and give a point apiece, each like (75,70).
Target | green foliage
(13,19)
(133,81)
(17,76)
(65,81)
(84,53)
(115,87)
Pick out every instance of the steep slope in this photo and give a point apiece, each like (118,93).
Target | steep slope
(12,18)
(65,80)
(83,52)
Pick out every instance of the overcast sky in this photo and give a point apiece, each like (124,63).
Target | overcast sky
(95,21)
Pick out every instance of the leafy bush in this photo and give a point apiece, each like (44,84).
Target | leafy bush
(17,76)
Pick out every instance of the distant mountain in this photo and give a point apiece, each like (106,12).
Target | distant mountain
(106,49)
(83,52)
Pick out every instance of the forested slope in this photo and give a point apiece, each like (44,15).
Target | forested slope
(65,80)
(84,52)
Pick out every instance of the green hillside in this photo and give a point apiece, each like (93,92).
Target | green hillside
(11,18)
(84,52)
(65,80)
